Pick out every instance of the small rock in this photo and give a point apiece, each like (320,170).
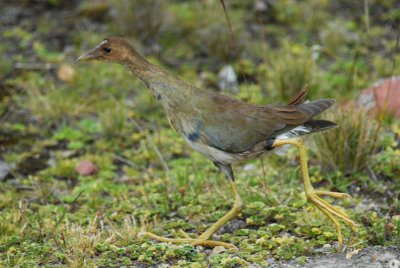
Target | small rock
(4,170)
(67,153)
(260,6)
(207,252)
(384,94)
(199,248)
(230,227)
(249,167)
(123,179)
(352,253)
(66,73)
(394,263)
(228,79)
(218,250)
(86,167)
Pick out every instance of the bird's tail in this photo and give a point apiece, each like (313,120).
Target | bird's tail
(316,125)
(309,127)
(300,97)
(312,108)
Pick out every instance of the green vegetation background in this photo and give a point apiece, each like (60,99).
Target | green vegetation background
(55,114)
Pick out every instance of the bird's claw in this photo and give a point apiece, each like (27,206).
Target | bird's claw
(333,194)
(192,241)
(332,212)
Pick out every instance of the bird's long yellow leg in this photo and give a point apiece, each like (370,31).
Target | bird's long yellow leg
(203,239)
(314,196)
(237,207)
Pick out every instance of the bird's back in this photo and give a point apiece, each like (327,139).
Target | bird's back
(235,126)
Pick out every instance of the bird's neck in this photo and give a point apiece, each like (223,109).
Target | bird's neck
(166,88)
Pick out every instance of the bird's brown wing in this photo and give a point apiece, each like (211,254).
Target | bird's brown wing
(235,126)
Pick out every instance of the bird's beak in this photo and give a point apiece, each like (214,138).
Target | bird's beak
(90,55)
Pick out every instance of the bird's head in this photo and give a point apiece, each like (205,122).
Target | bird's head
(112,49)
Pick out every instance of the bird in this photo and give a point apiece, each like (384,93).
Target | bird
(227,130)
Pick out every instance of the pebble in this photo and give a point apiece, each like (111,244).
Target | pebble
(86,167)
(249,167)
(393,263)
(260,6)
(228,79)
(218,249)
(383,94)
(4,170)
(66,73)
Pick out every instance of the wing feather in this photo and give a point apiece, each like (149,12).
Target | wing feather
(236,126)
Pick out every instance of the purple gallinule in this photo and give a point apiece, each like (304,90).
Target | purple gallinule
(227,130)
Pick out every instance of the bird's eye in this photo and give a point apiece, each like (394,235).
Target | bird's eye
(107,49)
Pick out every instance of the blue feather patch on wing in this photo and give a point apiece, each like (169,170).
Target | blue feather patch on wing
(194,136)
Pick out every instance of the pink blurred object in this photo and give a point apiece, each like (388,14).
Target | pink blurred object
(86,167)
(383,95)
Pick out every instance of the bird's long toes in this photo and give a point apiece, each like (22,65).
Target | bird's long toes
(333,194)
(188,240)
(213,243)
(314,198)
(338,212)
